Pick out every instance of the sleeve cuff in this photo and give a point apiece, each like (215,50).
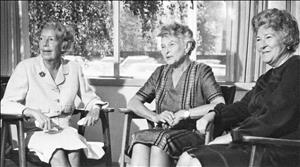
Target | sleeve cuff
(98,102)
(13,108)
(218,108)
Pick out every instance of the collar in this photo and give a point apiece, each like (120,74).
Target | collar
(62,71)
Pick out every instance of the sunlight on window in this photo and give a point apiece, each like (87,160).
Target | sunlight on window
(140,21)
(140,50)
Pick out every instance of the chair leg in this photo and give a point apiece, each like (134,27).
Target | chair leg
(22,153)
(256,156)
(3,138)
(106,132)
(125,139)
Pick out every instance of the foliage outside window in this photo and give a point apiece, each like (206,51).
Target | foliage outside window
(142,46)
(91,22)
(139,24)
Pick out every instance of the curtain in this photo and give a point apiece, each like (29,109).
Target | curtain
(244,64)
(295,10)
(14,40)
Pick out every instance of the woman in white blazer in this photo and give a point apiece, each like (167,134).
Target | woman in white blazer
(44,88)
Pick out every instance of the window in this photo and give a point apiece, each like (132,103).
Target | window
(139,53)
(118,38)
(92,26)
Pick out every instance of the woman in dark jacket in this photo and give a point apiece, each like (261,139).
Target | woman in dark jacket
(270,109)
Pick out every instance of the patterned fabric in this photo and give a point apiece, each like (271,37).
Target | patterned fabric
(173,142)
(196,87)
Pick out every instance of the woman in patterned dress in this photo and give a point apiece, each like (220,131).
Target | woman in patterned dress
(184,90)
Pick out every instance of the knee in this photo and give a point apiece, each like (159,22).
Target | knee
(139,147)
(156,150)
(140,150)
(74,154)
(184,160)
(58,157)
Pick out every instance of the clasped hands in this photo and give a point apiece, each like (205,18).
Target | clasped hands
(169,118)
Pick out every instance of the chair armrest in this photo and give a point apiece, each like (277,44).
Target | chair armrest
(84,112)
(268,140)
(107,110)
(124,110)
(76,111)
(12,117)
(130,113)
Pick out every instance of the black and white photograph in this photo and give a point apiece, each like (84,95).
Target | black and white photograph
(158,83)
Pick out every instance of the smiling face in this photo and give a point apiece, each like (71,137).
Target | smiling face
(173,50)
(50,45)
(270,45)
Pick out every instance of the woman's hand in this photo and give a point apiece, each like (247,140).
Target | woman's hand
(164,117)
(92,117)
(225,139)
(179,115)
(202,123)
(43,121)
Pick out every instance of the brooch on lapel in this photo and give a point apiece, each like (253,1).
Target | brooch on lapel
(42,74)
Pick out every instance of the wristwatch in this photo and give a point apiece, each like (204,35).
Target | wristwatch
(186,114)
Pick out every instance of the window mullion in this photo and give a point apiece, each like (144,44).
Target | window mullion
(116,40)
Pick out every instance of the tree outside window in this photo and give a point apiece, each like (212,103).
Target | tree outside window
(92,24)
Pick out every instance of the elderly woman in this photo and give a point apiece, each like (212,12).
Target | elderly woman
(181,90)
(270,109)
(44,88)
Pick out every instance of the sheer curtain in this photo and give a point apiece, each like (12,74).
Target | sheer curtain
(245,64)
(14,40)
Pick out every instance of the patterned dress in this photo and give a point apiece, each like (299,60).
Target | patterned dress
(197,86)
(270,109)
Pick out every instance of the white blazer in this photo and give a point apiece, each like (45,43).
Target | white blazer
(31,85)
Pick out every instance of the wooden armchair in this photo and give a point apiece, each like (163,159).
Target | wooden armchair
(25,155)
(228,93)
(258,144)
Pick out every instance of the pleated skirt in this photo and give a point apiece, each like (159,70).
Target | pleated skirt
(173,142)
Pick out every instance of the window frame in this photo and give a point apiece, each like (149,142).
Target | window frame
(116,80)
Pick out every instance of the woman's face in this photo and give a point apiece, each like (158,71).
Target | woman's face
(270,45)
(50,46)
(172,49)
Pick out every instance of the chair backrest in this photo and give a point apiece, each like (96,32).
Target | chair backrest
(4,80)
(228,93)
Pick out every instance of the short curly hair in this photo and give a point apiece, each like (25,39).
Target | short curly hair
(279,20)
(179,31)
(62,32)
